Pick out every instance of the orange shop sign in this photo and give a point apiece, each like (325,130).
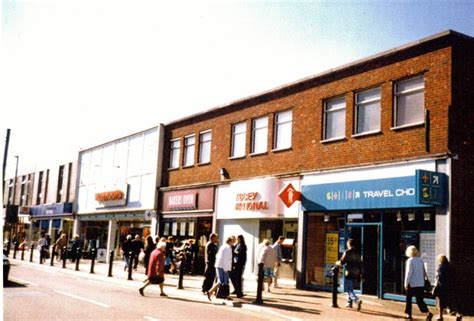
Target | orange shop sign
(250,202)
(289,195)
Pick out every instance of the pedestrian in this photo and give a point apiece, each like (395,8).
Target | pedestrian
(443,286)
(277,248)
(156,269)
(137,247)
(189,250)
(415,276)
(268,257)
(126,249)
(238,265)
(42,247)
(60,243)
(210,259)
(351,259)
(149,248)
(170,265)
(75,246)
(223,266)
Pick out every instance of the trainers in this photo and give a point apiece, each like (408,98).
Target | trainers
(359,305)
(141,291)
(349,305)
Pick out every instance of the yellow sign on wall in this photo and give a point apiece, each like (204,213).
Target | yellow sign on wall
(332,246)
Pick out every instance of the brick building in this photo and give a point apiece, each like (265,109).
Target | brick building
(380,149)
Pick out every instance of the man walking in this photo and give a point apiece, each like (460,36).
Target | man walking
(277,248)
(210,258)
(351,259)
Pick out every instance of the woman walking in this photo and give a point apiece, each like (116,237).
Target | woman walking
(223,266)
(149,247)
(238,265)
(156,269)
(415,276)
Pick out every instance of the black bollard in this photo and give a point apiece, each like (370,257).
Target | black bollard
(259,299)
(78,258)
(130,265)
(111,262)
(63,253)
(32,246)
(41,255)
(181,274)
(52,256)
(335,275)
(23,252)
(93,260)
(8,247)
(15,247)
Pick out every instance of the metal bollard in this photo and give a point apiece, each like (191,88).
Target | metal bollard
(335,275)
(15,247)
(259,299)
(78,258)
(130,266)
(63,253)
(32,246)
(181,274)
(41,255)
(93,260)
(23,252)
(52,256)
(111,262)
(8,247)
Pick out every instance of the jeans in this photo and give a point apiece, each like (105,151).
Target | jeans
(222,276)
(351,296)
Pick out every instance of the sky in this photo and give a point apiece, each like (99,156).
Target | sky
(75,74)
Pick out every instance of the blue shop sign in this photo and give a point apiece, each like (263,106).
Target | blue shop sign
(51,209)
(431,187)
(397,192)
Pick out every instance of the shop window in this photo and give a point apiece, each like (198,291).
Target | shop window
(283,130)
(189,149)
(367,111)
(259,135)
(409,102)
(205,139)
(334,118)
(238,139)
(174,153)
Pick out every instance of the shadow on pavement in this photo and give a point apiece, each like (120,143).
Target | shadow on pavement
(382,314)
(12,284)
(270,303)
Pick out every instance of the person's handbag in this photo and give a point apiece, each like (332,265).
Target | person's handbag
(428,287)
(141,257)
(436,289)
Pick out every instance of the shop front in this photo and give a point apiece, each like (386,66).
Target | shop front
(188,214)
(253,208)
(397,207)
(51,219)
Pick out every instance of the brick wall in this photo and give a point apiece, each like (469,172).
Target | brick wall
(306,100)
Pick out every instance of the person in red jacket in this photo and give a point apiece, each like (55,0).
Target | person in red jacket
(156,268)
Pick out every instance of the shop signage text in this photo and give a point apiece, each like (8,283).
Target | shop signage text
(111,195)
(394,192)
(196,199)
(249,202)
(182,201)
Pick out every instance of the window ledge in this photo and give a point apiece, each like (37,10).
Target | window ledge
(258,154)
(419,124)
(281,149)
(188,166)
(173,169)
(204,164)
(332,140)
(372,132)
(237,157)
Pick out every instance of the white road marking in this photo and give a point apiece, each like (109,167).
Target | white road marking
(21,281)
(151,319)
(83,299)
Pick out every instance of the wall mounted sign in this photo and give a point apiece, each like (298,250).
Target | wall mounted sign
(396,192)
(189,200)
(289,195)
(431,187)
(111,195)
(51,209)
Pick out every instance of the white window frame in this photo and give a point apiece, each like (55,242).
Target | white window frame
(175,152)
(327,112)
(257,131)
(188,149)
(276,131)
(238,135)
(203,142)
(397,94)
(359,105)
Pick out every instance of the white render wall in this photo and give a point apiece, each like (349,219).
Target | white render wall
(131,160)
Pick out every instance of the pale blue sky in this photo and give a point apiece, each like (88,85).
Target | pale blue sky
(79,73)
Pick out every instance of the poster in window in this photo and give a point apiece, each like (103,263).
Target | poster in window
(428,253)
(191,228)
(166,229)
(182,228)
(175,228)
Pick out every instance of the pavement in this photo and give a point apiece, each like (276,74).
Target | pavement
(285,302)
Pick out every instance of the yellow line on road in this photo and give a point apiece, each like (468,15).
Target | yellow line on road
(83,299)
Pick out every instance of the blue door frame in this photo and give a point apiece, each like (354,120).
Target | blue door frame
(380,248)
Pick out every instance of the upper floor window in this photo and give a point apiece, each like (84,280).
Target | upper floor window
(205,139)
(259,135)
(367,111)
(189,148)
(409,101)
(174,154)
(334,118)
(238,139)
(283,128)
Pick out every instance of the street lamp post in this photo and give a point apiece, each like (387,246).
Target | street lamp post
(13,203)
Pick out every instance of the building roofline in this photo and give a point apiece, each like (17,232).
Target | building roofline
(359,62)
